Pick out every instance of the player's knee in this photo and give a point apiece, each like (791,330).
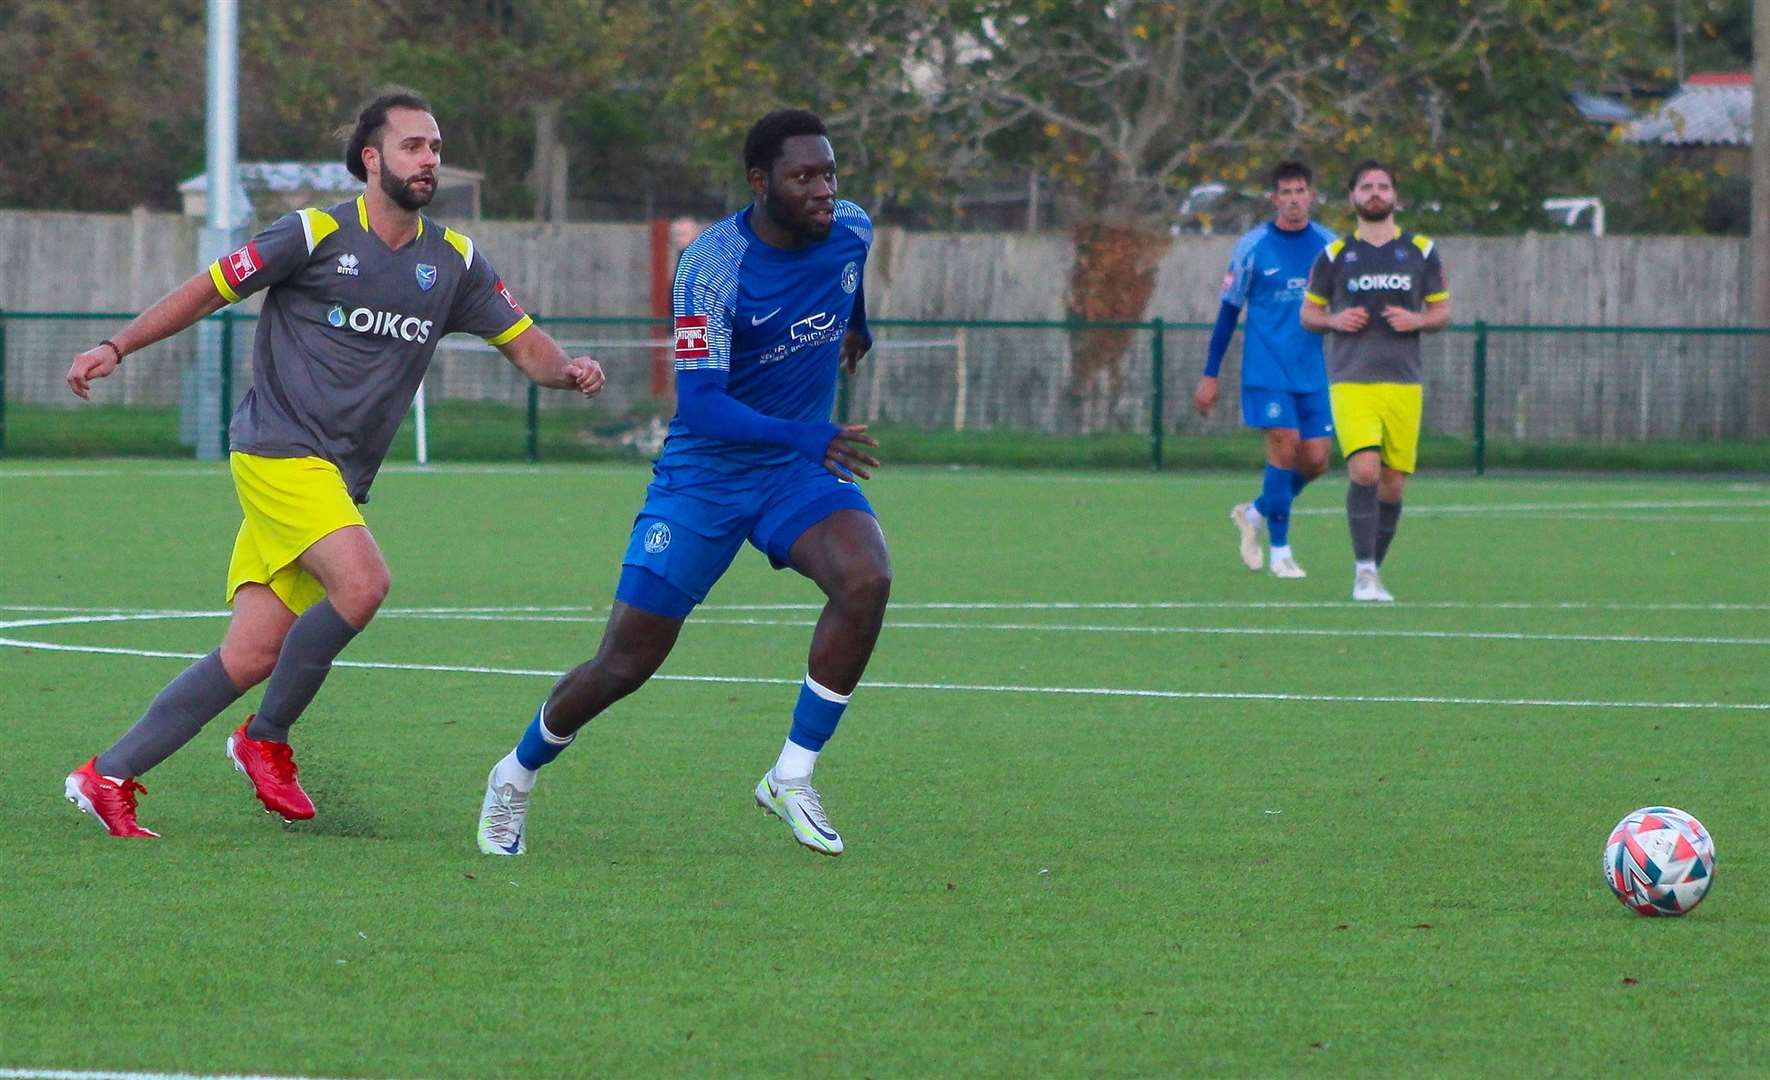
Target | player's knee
(249,663)
(359,598)
(866,588)
(626,670)
(1312,465)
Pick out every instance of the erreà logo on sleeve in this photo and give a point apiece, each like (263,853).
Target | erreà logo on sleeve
(691,337)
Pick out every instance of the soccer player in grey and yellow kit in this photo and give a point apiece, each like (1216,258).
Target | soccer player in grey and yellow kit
(358,296)
(1374,293)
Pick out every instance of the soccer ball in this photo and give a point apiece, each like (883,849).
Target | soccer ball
(1659,861)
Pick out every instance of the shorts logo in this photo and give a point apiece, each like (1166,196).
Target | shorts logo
(657,538)
(242,264)
(505,293)
(426,277)
(691,344)
(1272,410)
(336,315)
(347,265)
(850,277)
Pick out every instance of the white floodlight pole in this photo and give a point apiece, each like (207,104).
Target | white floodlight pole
(222,229)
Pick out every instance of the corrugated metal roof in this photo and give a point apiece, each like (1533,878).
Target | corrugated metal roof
(311,176)
(1708,110)
(1601,108)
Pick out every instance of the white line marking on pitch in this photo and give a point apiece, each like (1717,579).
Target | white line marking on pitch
(1003,605)
(980,688)
(73,1074)
(902,624)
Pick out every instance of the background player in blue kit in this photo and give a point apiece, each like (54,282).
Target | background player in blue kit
(769,303)
(1284,388)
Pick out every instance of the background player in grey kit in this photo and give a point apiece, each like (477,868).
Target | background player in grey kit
(1374,293)
(358,297)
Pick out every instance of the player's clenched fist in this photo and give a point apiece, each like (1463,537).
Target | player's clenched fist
(94,363)
(587,374)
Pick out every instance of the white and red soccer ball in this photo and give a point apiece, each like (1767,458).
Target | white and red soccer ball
(1659,861)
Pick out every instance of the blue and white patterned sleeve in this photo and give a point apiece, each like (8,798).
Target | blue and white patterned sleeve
(1241,268)
(706,285)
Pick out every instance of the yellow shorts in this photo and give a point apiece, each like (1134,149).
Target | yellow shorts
(289,504)
(1381,415)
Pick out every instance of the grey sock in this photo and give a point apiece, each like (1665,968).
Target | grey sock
(1388,520)
(1361,515)
(197,696)
(313,643)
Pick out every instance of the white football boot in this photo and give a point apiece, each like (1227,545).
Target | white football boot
(501,819)
(1286,566)
(798,804)
(1252,556)
(1366,585)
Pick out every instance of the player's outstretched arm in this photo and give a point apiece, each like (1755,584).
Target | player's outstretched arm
(534,353)
(197,298)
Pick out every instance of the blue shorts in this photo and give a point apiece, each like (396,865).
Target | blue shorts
(693,525)
(1309,413)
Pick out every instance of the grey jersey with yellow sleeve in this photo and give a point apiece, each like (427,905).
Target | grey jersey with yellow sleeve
(348,329)
(1352,273)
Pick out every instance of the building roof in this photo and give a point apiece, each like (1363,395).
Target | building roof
(312,176)
(1713,109)
(1601,108)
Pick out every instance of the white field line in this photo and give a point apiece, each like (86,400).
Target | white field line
(1557,508)
(77,1074)
(905,624)
(999,605)
(979,688)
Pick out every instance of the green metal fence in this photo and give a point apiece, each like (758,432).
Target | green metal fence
(1008,392)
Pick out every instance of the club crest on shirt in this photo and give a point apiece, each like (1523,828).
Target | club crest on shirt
(426,277)
(850,277)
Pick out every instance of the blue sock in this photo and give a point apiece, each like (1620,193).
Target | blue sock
(1274,503)
(815,716)
(539,746)
(1298,483)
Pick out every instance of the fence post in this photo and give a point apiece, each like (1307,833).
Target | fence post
(2,384)
(1480,396)
(534,452)
(227,378)
(1156,378)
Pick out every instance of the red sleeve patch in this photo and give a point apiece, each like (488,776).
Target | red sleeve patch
(503,291)
(242,264)
(691,337)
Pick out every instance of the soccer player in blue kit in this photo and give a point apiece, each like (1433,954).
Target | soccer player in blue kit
(768,304)
(1284,388)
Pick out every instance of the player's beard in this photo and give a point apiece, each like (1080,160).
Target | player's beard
(400,191)
(779,214)
(1365,212)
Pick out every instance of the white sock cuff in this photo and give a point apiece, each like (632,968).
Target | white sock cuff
(548,736)
(825,692)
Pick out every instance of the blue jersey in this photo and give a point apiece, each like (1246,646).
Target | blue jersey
(1268,273)
(773,320)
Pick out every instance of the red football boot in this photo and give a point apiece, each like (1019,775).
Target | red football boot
(112,803)
(271,768)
